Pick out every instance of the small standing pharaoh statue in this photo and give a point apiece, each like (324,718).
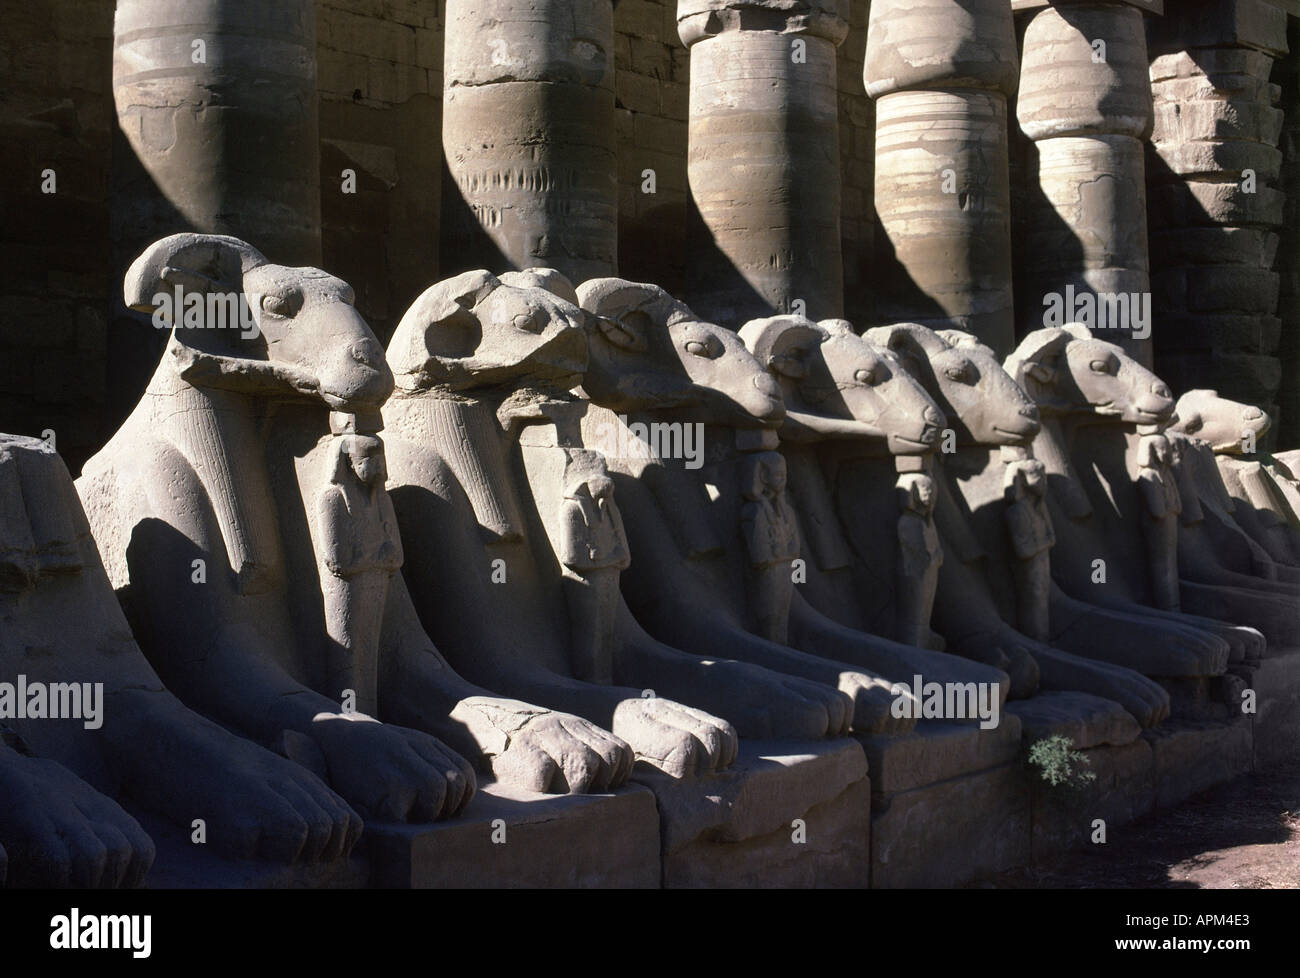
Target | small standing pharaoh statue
(1159,492)
(920,555)
(772,538)
(593,548)
(1029,526)
(358,552)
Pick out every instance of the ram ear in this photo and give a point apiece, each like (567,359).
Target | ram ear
(196,262)
(782,343)
(1035,363)
(439,326)
(627,314)
(629,332)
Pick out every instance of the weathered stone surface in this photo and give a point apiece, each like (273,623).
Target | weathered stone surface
(1225,245)
(1202,203)
(1257,24)
(1085,103)
(1215,155)
(835,851)
(1215,119)
(938,752)
(182,865)
(940,45)
(1236,333)
(986,818)
(514,839)
(941,73)
(1276,725)
(765,789)
(1069,86)
(1190,757)
(528,134)
(1089,721)
(764,157)
(225,137)
(1064,816)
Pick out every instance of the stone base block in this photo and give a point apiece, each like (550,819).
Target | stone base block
(774,819)
(513,839)
(945,834)
(938,751)
(1190,757)
(946,805)
(1065,816)
(1276,721)
(183,865)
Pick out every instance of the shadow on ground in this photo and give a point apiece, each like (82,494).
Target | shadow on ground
(1241,835)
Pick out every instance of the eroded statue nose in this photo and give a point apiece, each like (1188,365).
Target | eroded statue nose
(934,416)
(1161,389)
(767,385)
(1252,413)
(1029,411)
(367,354)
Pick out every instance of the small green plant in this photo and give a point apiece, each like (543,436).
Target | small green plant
(1059,762)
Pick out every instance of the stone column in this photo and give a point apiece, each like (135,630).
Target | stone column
(763,157)
(1085,107)
(217,109)
(1287,74)
(941,72)
(528,135)
(1216,205)
(217,101)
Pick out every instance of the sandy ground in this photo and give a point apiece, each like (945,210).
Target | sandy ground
(1241,835)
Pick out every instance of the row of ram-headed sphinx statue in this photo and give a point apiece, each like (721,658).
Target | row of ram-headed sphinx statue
(320,584)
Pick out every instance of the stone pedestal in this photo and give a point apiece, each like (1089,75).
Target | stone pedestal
(948,804)
(941,72)
(763,158)
(1276,722)
(528,134)
(1085,106)
(1065,817)
(182,865)
(1190,756)
(512,839)
(774,819)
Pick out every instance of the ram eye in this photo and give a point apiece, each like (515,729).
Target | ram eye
(1100,366)
(957,373)
(708,348)
(866,375)
(281,305)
